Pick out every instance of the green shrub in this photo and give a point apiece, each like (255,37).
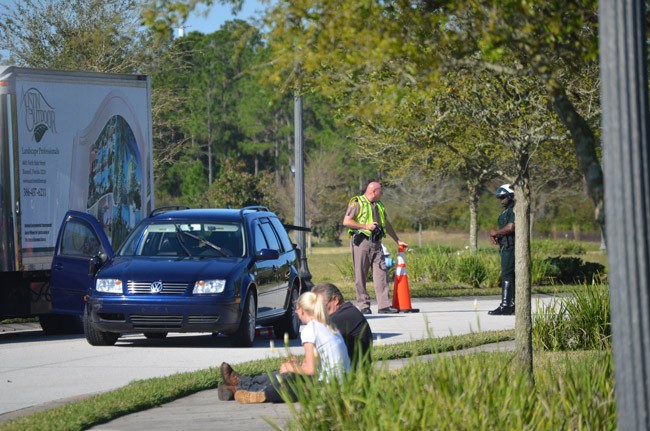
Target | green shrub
(572,270)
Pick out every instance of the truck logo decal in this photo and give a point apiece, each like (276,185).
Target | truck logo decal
(39,114)
(156,287)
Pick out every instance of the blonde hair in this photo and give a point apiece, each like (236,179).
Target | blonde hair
(314,306)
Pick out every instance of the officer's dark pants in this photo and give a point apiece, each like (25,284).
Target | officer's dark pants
(507,276)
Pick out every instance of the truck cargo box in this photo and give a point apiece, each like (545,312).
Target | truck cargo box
(68,141)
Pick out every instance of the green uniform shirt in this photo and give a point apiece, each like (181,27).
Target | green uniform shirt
(506,217)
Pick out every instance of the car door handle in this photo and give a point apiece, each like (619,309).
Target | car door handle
(57,266)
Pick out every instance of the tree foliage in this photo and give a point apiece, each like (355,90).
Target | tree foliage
(93,35)
(414,82)
(237,188)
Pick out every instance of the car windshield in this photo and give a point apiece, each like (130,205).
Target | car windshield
(185,239)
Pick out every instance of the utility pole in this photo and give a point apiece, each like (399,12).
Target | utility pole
(299,181)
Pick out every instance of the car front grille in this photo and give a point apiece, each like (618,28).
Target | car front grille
(144,288)
(144,321)
(149,321)
(203,319)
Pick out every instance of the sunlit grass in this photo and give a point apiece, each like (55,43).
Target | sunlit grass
(470,392)
(145,394)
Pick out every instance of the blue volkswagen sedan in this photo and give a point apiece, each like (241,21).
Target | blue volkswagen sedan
(180,270)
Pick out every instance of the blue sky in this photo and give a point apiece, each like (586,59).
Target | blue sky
(220,14)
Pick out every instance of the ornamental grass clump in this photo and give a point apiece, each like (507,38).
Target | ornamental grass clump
(470,270)
(429,264)
(579,321)
(467,392)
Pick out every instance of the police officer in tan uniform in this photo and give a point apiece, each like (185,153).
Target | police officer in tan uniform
(367,224)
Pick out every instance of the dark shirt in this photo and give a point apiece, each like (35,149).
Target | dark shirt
(506,217)
(354,328)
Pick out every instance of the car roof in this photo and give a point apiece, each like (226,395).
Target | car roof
(210,214)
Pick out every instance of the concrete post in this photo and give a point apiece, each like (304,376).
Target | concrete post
(626,160)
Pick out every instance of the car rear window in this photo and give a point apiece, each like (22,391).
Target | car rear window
(282,233)
(270,235)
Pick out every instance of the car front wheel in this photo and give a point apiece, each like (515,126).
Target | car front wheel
(96,337)
(245,334)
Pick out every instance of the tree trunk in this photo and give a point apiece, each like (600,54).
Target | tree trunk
(473,216)
(584,143)
(209,127)
(523,313)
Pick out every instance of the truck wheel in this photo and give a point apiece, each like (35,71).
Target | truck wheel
(155,335)
(60,324)
(96,337)
(289,323)
(245,334)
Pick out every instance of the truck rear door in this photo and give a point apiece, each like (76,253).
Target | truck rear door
(80,239)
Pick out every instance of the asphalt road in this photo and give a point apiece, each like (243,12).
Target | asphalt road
(38,372)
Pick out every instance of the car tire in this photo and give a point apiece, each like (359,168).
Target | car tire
(245,334)
(155,335)
(96,337)
(289,323)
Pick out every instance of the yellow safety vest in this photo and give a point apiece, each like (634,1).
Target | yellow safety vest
(365,214)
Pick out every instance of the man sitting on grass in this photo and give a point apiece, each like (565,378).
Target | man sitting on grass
(350,322)
(325,358)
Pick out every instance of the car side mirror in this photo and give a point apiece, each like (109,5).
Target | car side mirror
(96,262)
(267,254)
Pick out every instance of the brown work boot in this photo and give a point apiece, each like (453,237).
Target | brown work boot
(230,377)
(225,392)
(250,397)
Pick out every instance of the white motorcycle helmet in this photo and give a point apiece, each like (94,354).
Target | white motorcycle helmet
(504,190)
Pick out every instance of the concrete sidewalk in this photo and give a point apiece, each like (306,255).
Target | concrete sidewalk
(203,410)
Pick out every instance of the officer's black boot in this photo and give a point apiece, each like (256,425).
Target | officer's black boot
(507,296)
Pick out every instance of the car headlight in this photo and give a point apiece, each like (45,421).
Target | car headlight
(207,287)
(108,285)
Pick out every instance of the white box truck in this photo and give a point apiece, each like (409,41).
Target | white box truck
(68,141)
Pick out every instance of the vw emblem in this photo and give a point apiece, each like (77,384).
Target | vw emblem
(156,287)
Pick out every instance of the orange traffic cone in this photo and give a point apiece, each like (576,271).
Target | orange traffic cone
(402,295)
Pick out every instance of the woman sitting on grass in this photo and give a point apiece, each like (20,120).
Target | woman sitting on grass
(325,357)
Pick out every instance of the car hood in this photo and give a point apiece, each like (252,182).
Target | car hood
(179,269)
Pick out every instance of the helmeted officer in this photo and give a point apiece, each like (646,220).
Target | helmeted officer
(504,237)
